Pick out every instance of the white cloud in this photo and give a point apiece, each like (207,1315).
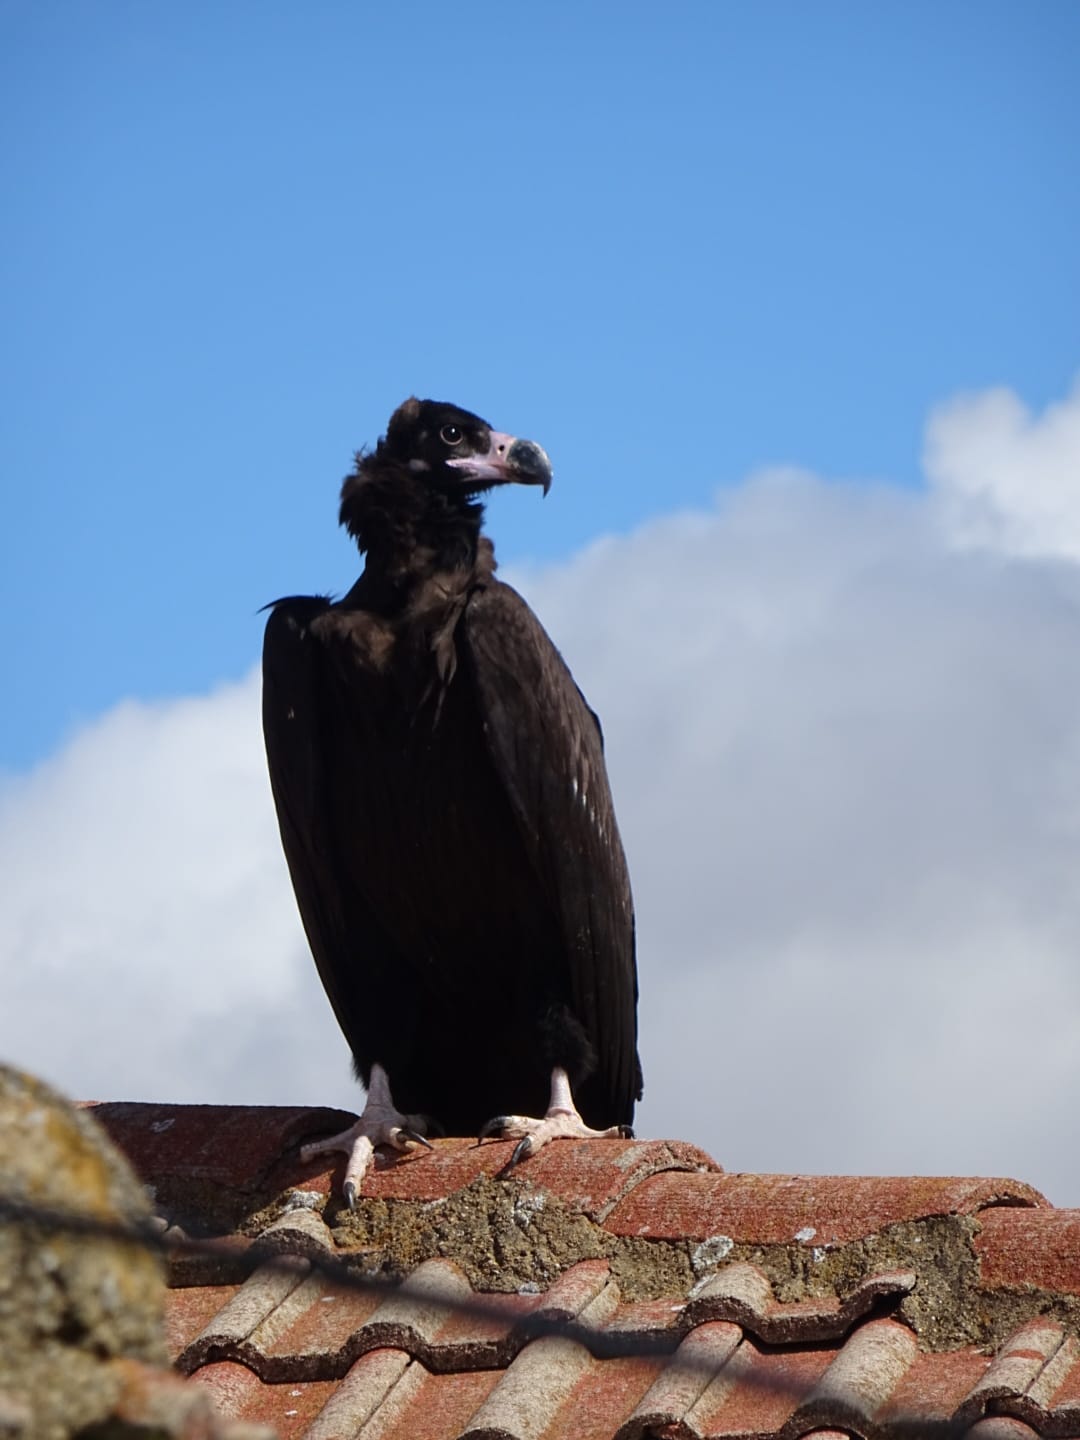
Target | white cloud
(1007,478)
(845,746)
(150,945)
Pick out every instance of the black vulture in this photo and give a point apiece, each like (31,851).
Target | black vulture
(445,812)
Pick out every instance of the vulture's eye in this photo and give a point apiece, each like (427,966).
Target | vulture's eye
(451,435)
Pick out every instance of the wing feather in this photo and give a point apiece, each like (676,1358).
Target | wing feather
(547,748)
(298,721)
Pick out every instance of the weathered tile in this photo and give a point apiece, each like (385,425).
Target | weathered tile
(741,1292)
(1015,1367)
(863,1376)
(239,1393)
(606,1394)
(431,1359)
(758,1392)
(361,1394)
(227,1334)
(1001,1427)
(1024,1249)
(431,1407)
(797,1209)
(190,1310)
(185,1147)
(531,1391)
(706,1352)
(934,1387)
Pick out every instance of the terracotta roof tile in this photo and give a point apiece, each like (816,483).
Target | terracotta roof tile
(715,1384)
(378,1380)
(935,1386)
(741,1292)
(861,1380)
(811,1210)
(606,1392)
(233,1386)
(190,1311)
(760,1391)
(432,1407)
(219,1148)
(1050,1356)
(1022,1249)
(704,1353)
(248,1312)
(291,1410)
(773,1307)
(1066,1397)
(1016,1368)
(319,1330)
(1061,1370)
(1000,1427)
(524,1403)
(211,1166)
(581,1291)
(487,1335)
(583,1175)
(415,1318)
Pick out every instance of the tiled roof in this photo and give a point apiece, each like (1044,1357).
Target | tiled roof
(714,1305)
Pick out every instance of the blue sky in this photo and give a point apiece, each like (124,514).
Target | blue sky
(671,243)
(791,294)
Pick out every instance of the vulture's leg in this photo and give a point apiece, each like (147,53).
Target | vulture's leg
(380,1124)
(562,1122)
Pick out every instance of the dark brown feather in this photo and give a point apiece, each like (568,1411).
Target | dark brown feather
(447,821)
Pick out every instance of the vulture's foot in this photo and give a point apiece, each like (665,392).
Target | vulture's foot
(562,1122)
(380,1124)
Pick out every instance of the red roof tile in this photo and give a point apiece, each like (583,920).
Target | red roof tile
(763,1392)
(934,1387)
(808,1210)
(293,1409)
(607,1390)
(218,1143)
(717,1306)
(1025,1249)
(1000,1427)
(435,1407)
(742,1292)
(581,1174)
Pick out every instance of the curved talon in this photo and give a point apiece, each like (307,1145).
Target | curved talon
(495,1126)
(522,1150)
(407,1133)
(349,1192)
(626,1132)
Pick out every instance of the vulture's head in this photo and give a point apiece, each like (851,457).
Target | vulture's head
(437,450)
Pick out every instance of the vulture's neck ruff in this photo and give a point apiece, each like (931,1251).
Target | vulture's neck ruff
(412,504)
(403,524)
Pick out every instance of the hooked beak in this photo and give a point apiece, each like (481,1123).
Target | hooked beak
(507,461)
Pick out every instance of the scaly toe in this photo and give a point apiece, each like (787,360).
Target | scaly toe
(377,1126)
(361,1157)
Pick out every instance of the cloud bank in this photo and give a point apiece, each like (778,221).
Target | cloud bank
(843,726)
